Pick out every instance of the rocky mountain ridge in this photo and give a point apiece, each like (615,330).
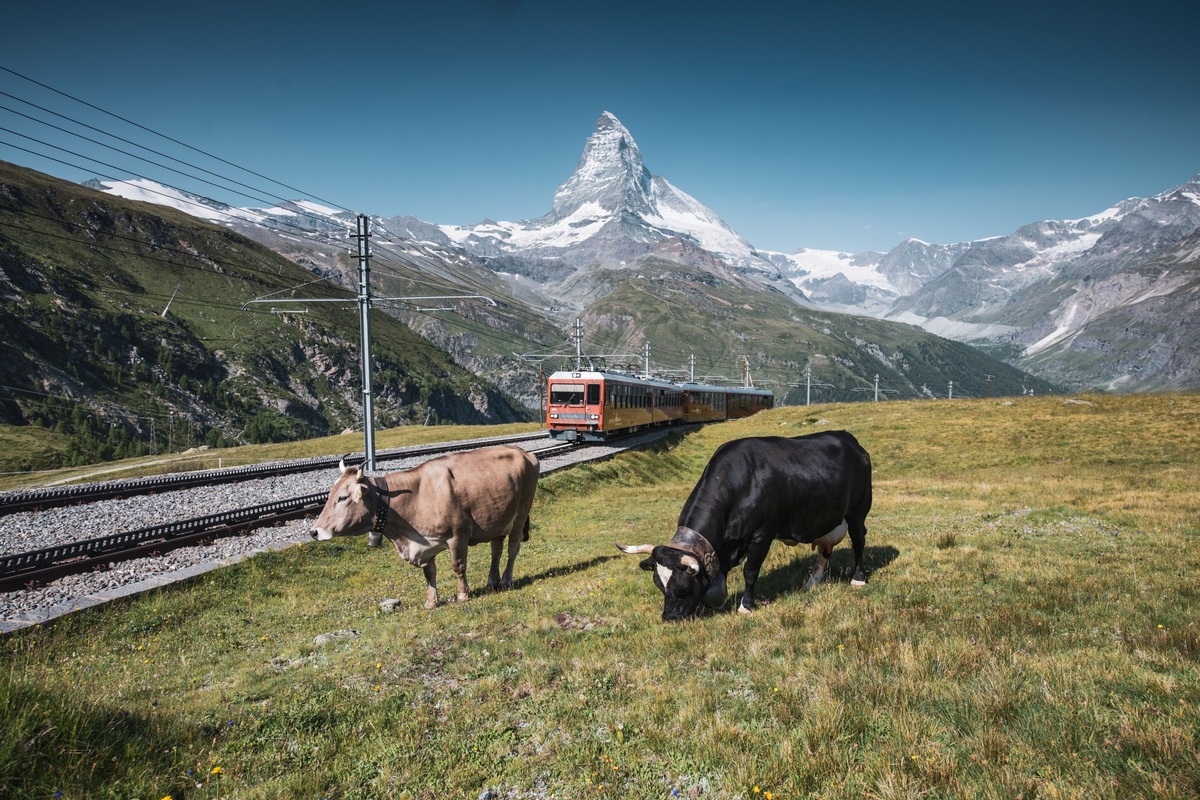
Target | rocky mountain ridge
(1011,294)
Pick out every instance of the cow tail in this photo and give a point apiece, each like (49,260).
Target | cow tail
(525,537)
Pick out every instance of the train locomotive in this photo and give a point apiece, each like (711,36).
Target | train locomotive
(593,406)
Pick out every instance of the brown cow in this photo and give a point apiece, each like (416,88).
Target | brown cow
(448,503)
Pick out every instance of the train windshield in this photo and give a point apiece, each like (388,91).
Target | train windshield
(566,394)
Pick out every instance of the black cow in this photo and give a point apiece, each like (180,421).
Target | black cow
(807,489)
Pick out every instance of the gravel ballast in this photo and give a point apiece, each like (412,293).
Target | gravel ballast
(26,531)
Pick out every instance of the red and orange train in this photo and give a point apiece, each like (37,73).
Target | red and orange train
(594,406)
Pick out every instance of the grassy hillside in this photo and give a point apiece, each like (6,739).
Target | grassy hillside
(682,312)
(1029,629)
(91,351)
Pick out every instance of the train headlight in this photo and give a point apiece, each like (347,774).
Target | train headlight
(554,416)
(594,416)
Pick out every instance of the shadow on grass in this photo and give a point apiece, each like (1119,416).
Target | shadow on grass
(558,572)
(82,748)
(791,578)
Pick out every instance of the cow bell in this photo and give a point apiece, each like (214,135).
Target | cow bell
(717,593)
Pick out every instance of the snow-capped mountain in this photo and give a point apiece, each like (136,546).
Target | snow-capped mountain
(1009,279)
(298,216)
(1030,295)
(612,210)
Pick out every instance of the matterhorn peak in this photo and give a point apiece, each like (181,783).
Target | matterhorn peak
(610,174)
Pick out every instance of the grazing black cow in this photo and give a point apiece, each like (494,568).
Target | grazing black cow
(807,489)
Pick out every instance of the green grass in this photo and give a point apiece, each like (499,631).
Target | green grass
(1029,629)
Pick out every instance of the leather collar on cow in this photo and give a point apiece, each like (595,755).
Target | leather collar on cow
(690,541)
(382,506)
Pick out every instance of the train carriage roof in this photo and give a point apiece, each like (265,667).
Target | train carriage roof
(611,377)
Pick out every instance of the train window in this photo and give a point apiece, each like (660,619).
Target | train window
(593,394)
(566,394)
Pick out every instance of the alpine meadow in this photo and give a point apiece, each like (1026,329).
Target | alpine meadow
(1028,629)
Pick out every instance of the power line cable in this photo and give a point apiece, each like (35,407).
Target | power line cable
(141,146)
(302,212)
(170,139)
(146,160)
(184,200)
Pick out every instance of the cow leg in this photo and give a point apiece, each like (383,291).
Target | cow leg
(754,559)
(818,573)
(520,533)
(858,540)
(458,562)
(493,583)
(431,597)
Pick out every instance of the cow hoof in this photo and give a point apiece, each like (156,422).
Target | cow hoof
(743,610)
(462,598)
(430,605)
(858,583)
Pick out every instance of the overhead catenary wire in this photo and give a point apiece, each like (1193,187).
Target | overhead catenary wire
(181,199)
(273,220)
(169,138)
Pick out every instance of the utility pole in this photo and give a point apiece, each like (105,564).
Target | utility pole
(876,389)
(808,384)
(364,331)
(364,325)
(989,385)
(646,360)
(578,344)
(950,396)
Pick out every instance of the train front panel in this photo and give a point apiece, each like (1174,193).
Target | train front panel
(574,404)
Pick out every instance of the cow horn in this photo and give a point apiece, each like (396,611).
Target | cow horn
(636,549)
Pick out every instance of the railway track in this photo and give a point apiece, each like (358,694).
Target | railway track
(38,567)
(13,502)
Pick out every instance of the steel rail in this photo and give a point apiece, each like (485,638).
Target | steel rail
(21,570)
(27,500)
(38,566)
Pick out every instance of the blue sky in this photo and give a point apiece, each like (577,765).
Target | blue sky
(845,126)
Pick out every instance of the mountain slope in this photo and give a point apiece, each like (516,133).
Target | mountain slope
(1139,328)
(611,224)
(1039,293)
(123,325)
(683,313)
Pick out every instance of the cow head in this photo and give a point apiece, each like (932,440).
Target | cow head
(347,511)
(683,578)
